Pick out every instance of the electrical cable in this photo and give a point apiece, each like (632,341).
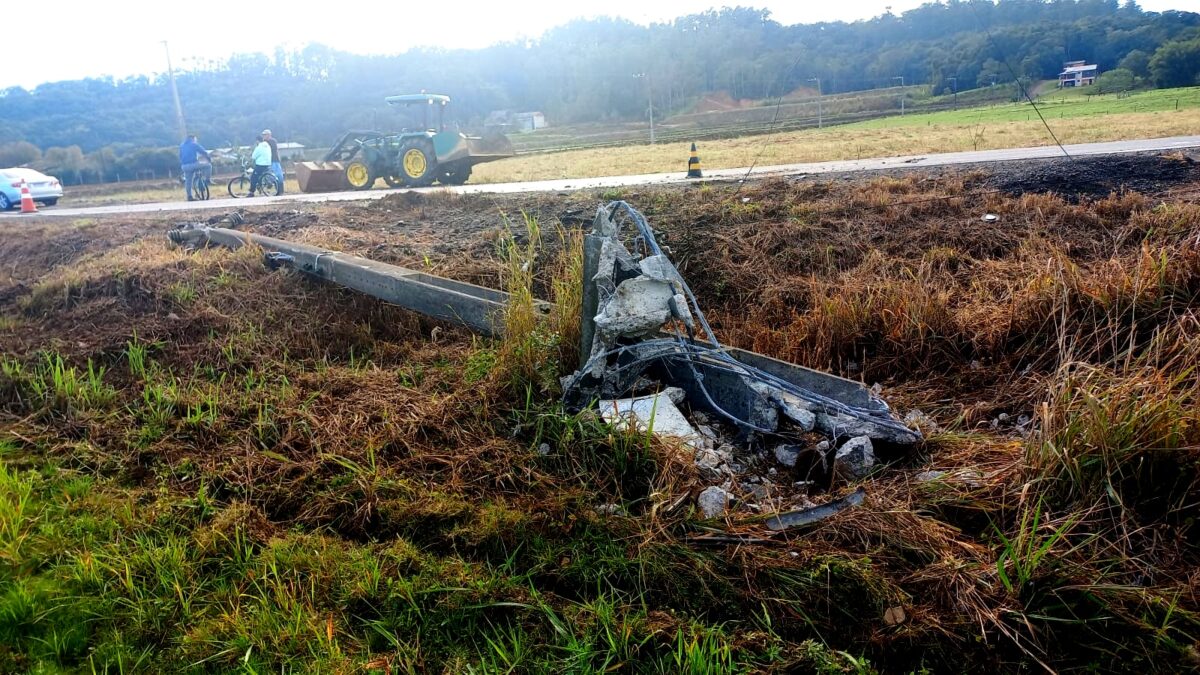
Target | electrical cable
(774,119)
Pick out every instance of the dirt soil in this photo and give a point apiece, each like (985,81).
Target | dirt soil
(1097,176)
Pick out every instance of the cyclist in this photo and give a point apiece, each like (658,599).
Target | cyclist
(262,164)
(190,152)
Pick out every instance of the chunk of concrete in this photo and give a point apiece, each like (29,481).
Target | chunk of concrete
(921,421)
(638,308)
(763,413)
(761,492)
(787,455)
(793,409)
(656,414)
(713,501)
(894,616)
(856,457)
(610,510)
(710,462)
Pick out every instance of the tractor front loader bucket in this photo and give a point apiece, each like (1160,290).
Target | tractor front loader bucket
(329,175)
(488,148)
(321,176)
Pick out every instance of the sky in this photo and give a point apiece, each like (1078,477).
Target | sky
(86,38)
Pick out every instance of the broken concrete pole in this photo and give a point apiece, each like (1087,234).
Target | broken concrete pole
(844,425)
(628,303)
(856,457)
(787,455)
(713,501)
(809,416)
(656,414)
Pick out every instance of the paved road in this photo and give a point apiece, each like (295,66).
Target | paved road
(875,164)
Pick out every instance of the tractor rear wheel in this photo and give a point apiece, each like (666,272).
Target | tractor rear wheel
(418,165)
(359,176)
(454,174)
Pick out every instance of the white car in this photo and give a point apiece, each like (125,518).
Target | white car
(45,189)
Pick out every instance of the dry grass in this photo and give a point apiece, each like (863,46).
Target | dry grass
(294,418)
(837,143)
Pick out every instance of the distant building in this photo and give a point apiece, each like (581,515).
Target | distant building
(291,151)
(1078,74)
(287,151)
(508,121)
(530,121)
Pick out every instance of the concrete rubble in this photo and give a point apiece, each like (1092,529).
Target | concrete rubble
(856,457)
(764,430)
(788,455)
(713,501)
(656,414)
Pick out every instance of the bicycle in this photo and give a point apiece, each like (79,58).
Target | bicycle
(200,186)
(239,186)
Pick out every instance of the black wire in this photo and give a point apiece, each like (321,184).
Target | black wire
(1012,71)
(775,118)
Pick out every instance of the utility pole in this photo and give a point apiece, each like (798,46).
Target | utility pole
(820,116)
(901,78)
(175,95)
(649,99)
(954,82)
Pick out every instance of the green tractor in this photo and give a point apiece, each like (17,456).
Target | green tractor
(411,158)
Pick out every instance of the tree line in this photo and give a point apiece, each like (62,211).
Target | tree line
(593,70)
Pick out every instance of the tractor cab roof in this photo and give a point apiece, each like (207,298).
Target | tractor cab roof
(410,99)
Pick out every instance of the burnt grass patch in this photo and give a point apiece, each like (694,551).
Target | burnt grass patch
(206,465)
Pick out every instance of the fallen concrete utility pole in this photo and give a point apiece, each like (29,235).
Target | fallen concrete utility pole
(623,298)
(476,307)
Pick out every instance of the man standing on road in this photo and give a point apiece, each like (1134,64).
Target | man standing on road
(276,165)
(262,164)
(190,152)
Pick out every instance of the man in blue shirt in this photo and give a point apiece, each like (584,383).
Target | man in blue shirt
(190,152)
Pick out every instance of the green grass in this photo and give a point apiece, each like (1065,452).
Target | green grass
(1054,105)
(99,578)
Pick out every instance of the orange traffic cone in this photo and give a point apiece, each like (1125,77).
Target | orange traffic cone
(694,165)
(27,199)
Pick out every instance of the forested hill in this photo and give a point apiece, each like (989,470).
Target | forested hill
(583,71)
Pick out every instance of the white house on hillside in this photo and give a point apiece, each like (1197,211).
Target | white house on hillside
(1078,74)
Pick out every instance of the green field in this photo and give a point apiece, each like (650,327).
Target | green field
(1066,104)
